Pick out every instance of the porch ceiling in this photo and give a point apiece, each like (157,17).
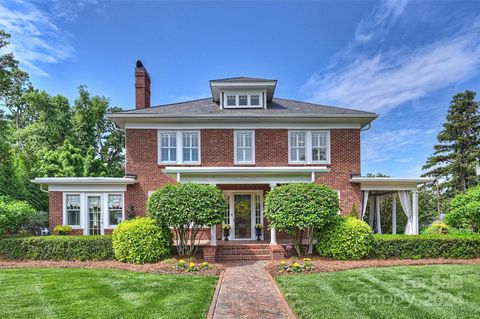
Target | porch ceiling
(246,174)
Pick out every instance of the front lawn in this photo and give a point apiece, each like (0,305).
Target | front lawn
(90,293)
(440,291)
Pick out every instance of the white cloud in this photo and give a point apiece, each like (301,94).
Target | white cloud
(37,38)
(380,20)
(394,144)
(388,77)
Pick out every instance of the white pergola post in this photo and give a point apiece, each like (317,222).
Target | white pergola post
(377,216)
(273,232)
(394,214)
(415,211)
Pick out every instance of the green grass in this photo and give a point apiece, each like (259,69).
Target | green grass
(440,291)
(89,293)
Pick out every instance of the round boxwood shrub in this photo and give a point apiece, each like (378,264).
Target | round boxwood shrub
(349,240)
(141,240)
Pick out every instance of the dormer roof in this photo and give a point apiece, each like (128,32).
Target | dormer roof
(242,83)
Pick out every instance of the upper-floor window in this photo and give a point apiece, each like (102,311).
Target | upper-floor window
(244,147)
(243,99)
(309,147)
(179,147)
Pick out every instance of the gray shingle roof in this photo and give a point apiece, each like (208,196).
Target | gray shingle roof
(243,79)
(277,108)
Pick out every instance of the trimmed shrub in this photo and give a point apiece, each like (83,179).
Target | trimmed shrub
(14,214)
(464,210)
(141,240)
(438,227)
(425,246)
(57,248)
(294,208)
(349,240)
(187,208)
(62,230)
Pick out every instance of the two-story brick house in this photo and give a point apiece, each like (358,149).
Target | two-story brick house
(243,139)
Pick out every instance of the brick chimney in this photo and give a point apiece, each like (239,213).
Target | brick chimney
(142,86)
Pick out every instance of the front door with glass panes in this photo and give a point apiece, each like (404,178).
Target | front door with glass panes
(244,212)
(94,215)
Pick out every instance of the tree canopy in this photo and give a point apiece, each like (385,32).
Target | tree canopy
(458,149)
(43,135)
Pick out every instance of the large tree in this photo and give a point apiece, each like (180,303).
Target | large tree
(458,149)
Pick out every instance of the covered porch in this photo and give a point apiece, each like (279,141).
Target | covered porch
(244,188)
(373,188)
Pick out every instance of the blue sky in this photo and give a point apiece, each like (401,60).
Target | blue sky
(401,59)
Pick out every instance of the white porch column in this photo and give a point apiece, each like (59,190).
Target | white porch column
(213,235)
(394,214)
(415,211)
(371,216)
(273,232)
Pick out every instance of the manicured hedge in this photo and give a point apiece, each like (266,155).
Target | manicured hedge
(57,248)
(425,246)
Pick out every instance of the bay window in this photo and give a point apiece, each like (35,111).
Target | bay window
(179,147)
(309,147)
(244,142)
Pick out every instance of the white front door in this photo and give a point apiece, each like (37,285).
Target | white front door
(94,215)
(245,210)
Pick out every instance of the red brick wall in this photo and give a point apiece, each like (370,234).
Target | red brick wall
(55,209)
(271,149)
(345,160)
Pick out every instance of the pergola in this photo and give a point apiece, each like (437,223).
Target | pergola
(374,187)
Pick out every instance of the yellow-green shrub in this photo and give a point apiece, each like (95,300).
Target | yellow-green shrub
(348,240)
(141,240)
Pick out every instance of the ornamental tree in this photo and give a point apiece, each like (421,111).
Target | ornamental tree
(464,210)
(187,208)
(299,208)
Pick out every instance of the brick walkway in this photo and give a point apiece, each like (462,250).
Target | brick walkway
(247,292)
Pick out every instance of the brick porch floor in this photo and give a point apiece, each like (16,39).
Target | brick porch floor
(247,292)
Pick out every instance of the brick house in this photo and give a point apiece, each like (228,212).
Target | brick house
(243,139)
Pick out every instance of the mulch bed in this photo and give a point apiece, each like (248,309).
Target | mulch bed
(329,265)
(159,267)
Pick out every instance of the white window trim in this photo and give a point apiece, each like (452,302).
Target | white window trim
(107,217)
(179,147)
(309,147)
(260,94)
(65,217)
(235,147)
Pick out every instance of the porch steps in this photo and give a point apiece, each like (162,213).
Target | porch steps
(233,252)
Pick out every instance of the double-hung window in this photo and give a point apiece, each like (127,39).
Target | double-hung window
(72,209)
(168,147)
(244,147)
(319,146)
(298,146)
(309,147)
(179,147)
(190,147)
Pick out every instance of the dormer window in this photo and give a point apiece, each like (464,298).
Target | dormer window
(243,99)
